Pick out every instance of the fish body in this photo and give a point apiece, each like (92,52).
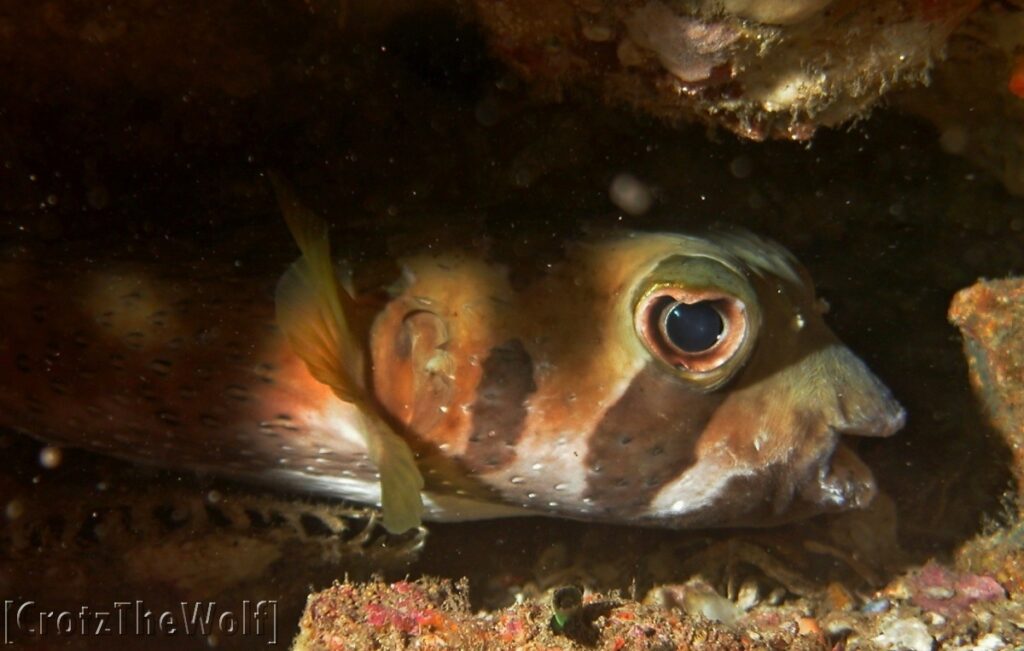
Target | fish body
(648,378)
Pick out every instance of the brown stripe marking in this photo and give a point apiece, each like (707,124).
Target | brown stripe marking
(647,439)
(499,411)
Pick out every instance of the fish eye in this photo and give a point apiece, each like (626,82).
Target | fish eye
(694,331)
(692,328)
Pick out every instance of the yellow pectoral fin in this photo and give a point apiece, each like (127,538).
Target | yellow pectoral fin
(400,478)
(311,311)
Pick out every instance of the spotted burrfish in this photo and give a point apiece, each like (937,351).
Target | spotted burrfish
(647,378)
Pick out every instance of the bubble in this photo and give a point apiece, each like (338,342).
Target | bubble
(630,194)
(741,167)
(953,140)
(214,496)
(50,457)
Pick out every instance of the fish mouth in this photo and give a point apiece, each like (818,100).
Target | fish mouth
(842,480)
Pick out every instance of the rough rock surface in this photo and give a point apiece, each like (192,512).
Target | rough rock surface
(990,315)
(762,69)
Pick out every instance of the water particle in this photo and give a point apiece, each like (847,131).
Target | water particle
(15,509)
(517,480)
(630,194)
(537,466)
(954,140)
(561,487)
(50,457)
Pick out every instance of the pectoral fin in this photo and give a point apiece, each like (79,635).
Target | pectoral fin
(311,311)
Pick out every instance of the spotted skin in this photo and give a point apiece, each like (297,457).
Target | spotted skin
(128,362)
(647,447)
(499,411)
(534,398)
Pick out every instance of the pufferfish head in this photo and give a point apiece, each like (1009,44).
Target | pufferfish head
(748,390)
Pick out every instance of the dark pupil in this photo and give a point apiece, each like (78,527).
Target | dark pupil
(693,328)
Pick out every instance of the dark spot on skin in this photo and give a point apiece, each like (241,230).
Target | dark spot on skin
(265,372)
(651,433)
(39,313)
(53,351)
(87,533)
(217,517)
(315,527)
(34,405)
(135,340)
(209,420)
(499,412)
(237,392)
(160,366)
(169,417)
(170,517)
(148,393)
(284,421)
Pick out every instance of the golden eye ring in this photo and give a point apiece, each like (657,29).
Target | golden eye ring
(694,330)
